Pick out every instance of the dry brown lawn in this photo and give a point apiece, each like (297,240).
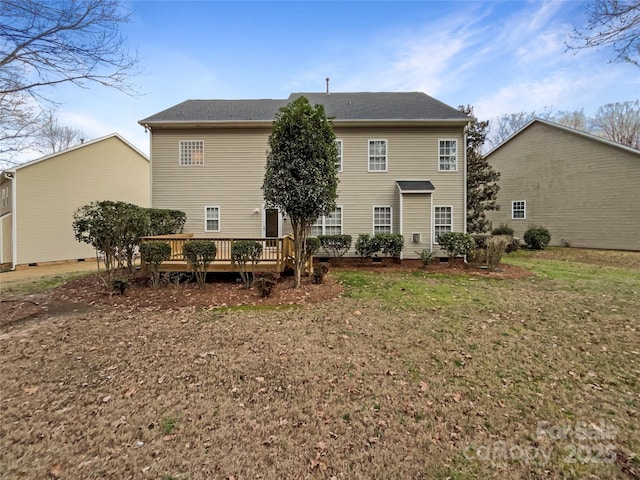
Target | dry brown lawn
(408,374)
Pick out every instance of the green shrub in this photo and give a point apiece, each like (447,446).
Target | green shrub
(154,253)
(336,245)
(317,278)
(244,252)
(496,246)
(311,247)
(265,283)
(199,255)
(514,245)
(537,238)
(165,222)
(426,256)
(120,285)
(456,243)
(390,244)
(366,245)
(503,229)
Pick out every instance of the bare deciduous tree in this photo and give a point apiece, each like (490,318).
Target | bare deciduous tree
(52,137)
(612,23)
(44,44)
(620,122)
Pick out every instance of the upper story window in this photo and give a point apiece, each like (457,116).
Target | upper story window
(211,219)
(328,225)
(377,155)
(5,197)
(339,159)
(382,218)
(191,152)
(518,209)
(448,156)
(443,220)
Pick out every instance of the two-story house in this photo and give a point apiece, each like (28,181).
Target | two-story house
(40,197)
(402,166)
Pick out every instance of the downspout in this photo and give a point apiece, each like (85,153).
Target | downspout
(401,216)
(14,232)
(465,186)
(148,128)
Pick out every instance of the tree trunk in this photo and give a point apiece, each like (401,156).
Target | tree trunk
(299,238)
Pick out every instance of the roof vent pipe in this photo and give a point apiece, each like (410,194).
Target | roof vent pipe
(327,80)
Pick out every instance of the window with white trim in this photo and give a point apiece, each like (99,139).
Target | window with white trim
(382,220)
(191,152)
(329,224)
(377,155)
(442,220)
(339,159)
(5,197)
(448,156)
(518,209)
(211,219)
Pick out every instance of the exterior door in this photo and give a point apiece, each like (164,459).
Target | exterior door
(272,223)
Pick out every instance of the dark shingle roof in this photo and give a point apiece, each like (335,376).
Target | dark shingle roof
(342,106)
(414,186)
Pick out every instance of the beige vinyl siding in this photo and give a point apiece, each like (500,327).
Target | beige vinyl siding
(583,190)
(5,239)
(234,165)
(416,219)
(50,191)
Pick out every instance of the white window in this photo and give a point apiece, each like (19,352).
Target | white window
(443,220)
(382,218)
(448,156)
(211,219)
(518,209)
(339,159)
(328,225)
(191,152)
(5,197)
(377,155)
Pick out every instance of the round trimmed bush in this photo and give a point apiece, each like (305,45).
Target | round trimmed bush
(537,238)
(503,229)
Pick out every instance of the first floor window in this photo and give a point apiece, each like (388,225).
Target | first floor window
(329,224)
(443,220)
(191,152)
(518,209)
(382,220)
(448,156)
(377,155)
(212,219)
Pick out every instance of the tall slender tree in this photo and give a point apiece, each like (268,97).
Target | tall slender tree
(482,179)
(300,177)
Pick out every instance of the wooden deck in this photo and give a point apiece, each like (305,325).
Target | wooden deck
(277,253)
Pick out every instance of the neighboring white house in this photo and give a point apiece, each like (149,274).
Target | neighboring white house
(40,197)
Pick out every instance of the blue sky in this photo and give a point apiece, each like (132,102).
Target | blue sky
(500,57)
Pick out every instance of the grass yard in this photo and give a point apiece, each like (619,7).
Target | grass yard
(408,375)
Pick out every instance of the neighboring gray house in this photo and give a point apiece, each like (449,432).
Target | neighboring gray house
(402,166)
(583,188)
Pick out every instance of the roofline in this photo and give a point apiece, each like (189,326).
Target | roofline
(269,123)
(566,129)
(76,147)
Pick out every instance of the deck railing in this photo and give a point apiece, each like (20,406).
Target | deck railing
(275,251)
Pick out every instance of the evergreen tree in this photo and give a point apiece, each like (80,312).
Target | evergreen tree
(482,179)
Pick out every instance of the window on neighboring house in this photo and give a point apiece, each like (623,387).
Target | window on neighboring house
(518,209)
(5,197)
(382,220)
(448,156)
(377,155)
(212,219)
(328,225)
(443,220)
(191,152)
(339,159)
